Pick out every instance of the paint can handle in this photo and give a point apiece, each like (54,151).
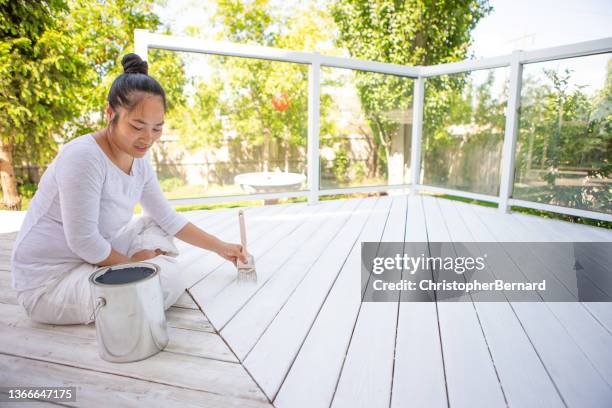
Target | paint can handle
(99,303)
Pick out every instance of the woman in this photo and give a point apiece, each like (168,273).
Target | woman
(88,194)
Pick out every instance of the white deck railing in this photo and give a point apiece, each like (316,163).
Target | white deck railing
(145,40)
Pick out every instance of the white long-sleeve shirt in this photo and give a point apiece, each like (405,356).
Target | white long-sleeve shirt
(83,200)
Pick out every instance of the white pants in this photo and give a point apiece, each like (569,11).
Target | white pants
(68,298)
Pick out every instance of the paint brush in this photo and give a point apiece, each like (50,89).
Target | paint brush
(246,271)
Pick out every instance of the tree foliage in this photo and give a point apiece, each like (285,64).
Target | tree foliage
(235,103)
(565,141)
(411,32)
(57,61)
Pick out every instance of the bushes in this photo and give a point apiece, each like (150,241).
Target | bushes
(171,183)
(27,190)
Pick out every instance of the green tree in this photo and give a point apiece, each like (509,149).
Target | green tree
(41,75)
(463,147)
(565,140)
(57,61)
(238,97)
(411,32)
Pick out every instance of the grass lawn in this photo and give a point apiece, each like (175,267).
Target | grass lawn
(216,190)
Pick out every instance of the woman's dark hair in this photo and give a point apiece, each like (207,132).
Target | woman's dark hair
(129,88)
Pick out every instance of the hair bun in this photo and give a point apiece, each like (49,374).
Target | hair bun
(133,64)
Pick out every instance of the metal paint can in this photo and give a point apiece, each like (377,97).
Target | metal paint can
(129,311)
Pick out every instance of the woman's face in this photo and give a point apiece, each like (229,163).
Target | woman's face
(136,131)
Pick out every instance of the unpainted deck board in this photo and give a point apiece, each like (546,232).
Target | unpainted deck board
(97,389)
(168,368)
(187,341)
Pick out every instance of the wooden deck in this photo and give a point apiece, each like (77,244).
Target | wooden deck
(301,337)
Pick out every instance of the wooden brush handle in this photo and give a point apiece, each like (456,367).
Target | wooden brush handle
(243,239)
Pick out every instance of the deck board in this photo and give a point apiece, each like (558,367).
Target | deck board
(185,341)
(205,374)
(193,342)
(576,378)
(313,375)
(366,376)
(198,264)
(418,376)
(271,357)
(464,347)
(524,378)
(301,337)
(263,231)
(221,301)
(96,388)
(247,326)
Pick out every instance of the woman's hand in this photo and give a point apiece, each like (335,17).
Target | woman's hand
(231,252)
(146,254)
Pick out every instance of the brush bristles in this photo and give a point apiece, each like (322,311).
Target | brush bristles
(247,275)
(246,271)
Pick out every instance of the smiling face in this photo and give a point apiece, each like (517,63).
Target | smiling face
(136,131)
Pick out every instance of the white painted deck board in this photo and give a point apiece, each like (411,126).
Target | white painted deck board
(197,264)
(418,376)
(464,346)
(313,376)
(598,263)
(558,231)
(276,349)
(601,311)
(311,262)
(366,376)
(578,381)
(579,319)
(263,232)
(186,302)
(522,375)
(221,306)
(274,292)
(247,326)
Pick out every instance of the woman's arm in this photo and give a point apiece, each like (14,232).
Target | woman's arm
(196,237)
(114,258)
(80,176)
(155,204)
(190,234)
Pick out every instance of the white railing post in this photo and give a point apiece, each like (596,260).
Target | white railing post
(314,83)
(140,43)
(511,132)
(417,132)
